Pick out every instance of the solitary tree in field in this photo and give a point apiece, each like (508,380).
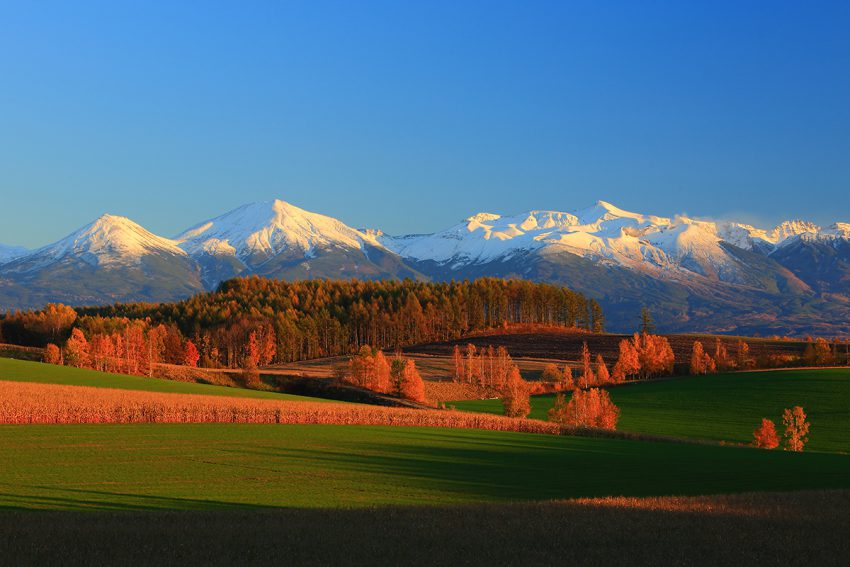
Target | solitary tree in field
(515,395)
(796,428)
(412,386)
(765,436)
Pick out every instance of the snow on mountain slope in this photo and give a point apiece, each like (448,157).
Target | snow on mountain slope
(678,248)
(751,238)
(257,231)
(8,253)
(601,230)
(110,240)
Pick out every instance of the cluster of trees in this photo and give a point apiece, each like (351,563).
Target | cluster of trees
(593,373)
(122,346)
(819,352)
(370,369)
(493,373)
(487,368)
(319,318)
(703,362)
(644,356)
(796,432)
(37,328)
(586,408)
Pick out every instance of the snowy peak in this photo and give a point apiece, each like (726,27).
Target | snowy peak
(268,228)
(108,240)
(792,228)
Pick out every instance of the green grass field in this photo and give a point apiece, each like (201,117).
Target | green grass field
(23,371)
(213,466)
(725,407)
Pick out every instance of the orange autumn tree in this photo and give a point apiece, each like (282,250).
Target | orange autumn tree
(566,382)
(796,428)
(380,374)
(765,437)
(586,408)
(628,362)
(191,354)
(459,367)
(77,350)
(742,354)
(360,370)
(722,360)
(52,354)
(655,354)
(551,374)
(515,395)
(412,386)
(701,361)
(602,375)
(587,376)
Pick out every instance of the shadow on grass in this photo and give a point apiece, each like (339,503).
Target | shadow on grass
(102,500)
(697,531)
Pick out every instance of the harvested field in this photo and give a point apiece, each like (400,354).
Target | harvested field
(31,403)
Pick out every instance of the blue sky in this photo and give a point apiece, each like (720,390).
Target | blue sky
(409,116)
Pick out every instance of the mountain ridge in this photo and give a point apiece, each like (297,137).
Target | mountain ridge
(791,270)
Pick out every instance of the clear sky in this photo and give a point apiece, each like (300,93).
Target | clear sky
(410,115)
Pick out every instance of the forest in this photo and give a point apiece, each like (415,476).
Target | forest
(249,321)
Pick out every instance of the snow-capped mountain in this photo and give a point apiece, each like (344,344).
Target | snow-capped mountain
(110,259)
(8,253)
(106,241)
(258,231)
(278,239)
(695,274)
(677,248)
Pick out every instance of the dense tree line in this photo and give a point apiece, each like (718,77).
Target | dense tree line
(317,318)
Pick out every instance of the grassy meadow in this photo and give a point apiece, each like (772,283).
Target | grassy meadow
(217,466)
(24,371)
(724,407)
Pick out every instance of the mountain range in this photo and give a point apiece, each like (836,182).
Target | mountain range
(694,275)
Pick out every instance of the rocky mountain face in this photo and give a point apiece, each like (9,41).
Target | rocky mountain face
(695,275)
